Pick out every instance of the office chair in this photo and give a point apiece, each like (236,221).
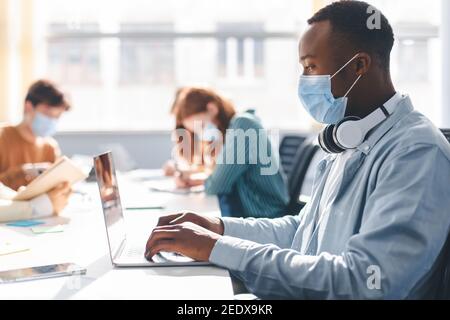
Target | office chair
(443,272)
(301,163)
(446,133)
(444,290)
(288,149)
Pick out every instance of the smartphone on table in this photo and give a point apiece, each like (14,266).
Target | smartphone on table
(41,272)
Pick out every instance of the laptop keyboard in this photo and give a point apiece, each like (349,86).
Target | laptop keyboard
(134,251)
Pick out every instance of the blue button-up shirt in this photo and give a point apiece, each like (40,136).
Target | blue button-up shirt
(382,236)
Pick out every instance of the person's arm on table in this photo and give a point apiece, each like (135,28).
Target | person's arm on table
(278,231)
(402,235)
(42,206)
(188,180)
(187,233)
(405,227)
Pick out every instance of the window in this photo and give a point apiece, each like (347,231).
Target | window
(412,52)
(121,67)
(74,60)
(122,61)
(146,61)
(415,60)
(240,57)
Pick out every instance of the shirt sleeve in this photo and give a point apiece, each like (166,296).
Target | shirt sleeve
(14,177)
(404,228)
(278,231)
(15,210)
(53,151)
(11,210)
(42,206)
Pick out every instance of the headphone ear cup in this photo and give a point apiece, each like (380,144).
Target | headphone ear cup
(349,118)
(322,141)
(343,123)
(329,145)
(330,142)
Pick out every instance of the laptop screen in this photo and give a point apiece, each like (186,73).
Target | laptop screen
(110,197)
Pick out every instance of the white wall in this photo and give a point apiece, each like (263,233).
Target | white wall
(445,35)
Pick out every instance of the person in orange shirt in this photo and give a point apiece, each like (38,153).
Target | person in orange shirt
(28,148)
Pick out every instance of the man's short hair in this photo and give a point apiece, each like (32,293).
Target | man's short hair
(349,20)
(44,91)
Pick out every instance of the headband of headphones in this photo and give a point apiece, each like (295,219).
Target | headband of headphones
(351,131)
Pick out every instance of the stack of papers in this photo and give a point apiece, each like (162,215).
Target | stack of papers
(48,229)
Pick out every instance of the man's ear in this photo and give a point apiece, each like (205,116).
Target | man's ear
(28,107)
(363,63)
(213,109)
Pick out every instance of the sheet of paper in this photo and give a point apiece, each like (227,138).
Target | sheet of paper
(10,248)
(48,229)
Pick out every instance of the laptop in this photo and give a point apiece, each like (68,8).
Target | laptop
(125,252)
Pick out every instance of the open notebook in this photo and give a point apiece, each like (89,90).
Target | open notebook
(62,170)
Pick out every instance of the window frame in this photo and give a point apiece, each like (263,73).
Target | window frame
(172,36)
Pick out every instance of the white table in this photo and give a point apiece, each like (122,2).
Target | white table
(84,242)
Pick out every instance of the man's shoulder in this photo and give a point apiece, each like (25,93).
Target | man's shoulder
(7,131)
(414,131)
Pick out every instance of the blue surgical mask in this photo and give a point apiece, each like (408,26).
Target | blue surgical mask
(44,126)
(316,96)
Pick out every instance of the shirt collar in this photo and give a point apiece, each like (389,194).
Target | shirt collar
(393,102)
(399,105)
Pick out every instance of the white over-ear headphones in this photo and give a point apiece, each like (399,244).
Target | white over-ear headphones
(350,132)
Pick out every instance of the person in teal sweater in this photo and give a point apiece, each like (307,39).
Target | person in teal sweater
(241,166)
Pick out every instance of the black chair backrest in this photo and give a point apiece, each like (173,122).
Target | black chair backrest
(446,133)
(302,161)
(300,165)
(444,292)
(288,149)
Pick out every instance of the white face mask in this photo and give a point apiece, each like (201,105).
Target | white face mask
(44,126)
(210,132)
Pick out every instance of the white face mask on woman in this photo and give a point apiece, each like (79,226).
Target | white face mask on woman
(210,132)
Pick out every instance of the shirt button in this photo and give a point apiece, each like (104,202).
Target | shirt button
(366,148)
